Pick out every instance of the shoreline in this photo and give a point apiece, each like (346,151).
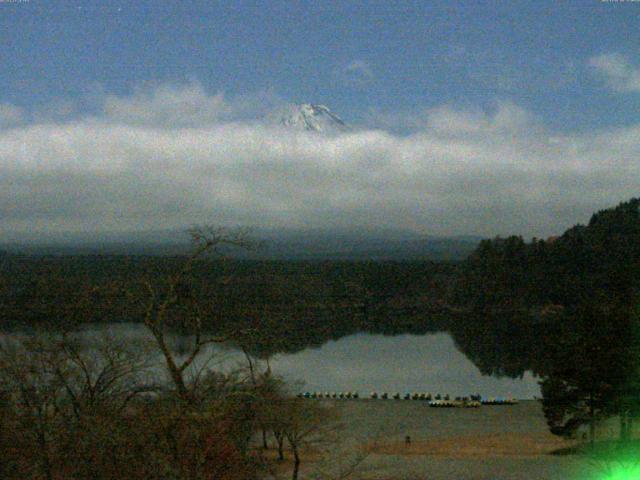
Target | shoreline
(480,445)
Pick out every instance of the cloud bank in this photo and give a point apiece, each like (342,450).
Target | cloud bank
(617,71)
(176,155)
(356,73)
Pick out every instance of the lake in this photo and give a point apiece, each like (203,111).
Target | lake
(364,362)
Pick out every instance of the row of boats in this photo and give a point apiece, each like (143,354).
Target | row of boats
(437,400)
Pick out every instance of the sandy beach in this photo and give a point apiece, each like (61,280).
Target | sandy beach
(488,443)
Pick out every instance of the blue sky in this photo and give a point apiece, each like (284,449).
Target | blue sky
(352,56)
(470,117)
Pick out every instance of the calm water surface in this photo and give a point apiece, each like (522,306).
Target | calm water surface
(366,362)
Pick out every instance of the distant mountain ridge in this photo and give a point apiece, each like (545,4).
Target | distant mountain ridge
(273,245)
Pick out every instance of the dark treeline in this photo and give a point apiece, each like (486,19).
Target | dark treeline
(574,301)
(293,305)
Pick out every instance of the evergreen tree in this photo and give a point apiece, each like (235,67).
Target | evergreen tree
(590,367)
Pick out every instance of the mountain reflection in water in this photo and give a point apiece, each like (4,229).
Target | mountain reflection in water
(364,362)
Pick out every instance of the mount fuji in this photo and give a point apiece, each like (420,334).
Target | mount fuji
(312,117)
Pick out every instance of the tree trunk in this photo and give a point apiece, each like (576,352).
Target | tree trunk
(624,426)
(44,454)
(296,463)
(592,422)
(174,371)
(264,439)
(280,442)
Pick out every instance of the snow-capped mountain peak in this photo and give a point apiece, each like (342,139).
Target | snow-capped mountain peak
(312,117)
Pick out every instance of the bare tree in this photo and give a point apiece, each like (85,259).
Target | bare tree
(267,387)
(105,375)
(306,423)
(36,393)
(161,299)
(55,390)
(273,418)
(271,408)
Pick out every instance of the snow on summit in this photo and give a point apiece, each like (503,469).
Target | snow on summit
(312,117)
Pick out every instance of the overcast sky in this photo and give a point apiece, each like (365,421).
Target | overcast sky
(468,117)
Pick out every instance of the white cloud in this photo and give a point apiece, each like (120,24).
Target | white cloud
(507,117)
(168,158)
(450,121)
(617,71)
(356,73)
(186,105)
(59,110)
(10,115)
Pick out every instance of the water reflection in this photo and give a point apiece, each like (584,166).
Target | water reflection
(361,362)
(404,363)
